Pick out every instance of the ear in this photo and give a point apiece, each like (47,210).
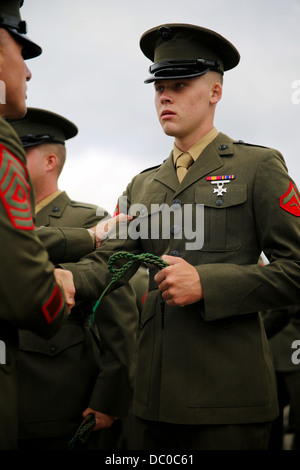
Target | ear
(216,92)
(51,162)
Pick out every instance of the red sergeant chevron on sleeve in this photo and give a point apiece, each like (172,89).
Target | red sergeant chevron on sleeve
(15,190)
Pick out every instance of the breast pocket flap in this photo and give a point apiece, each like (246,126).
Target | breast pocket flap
(233,196)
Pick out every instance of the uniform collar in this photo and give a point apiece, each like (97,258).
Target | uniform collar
(210,161)
(46,201)
(198,147)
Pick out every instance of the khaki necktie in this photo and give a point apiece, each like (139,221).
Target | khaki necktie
(183,163)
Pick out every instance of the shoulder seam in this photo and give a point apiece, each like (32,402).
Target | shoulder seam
(151,168)
(241,142)
(85,205)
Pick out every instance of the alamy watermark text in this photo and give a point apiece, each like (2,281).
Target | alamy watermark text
(161,221)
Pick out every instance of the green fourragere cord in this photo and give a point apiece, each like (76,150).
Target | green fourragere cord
(146,258)
(83,432)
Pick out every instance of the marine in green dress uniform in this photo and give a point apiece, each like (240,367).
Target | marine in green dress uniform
(205,378)
(83,363)
(31,299)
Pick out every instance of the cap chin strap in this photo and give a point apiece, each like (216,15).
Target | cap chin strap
(11,22)
(182,68)
(30,140)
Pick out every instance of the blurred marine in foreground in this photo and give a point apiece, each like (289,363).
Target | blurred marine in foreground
(31,299)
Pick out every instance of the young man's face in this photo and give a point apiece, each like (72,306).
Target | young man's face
(13,75)
(186,106)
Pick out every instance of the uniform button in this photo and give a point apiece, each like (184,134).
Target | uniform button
(53,349)
(175,229)
(55,209)
(177,203)
(219,202)
(174,253)
(223,147)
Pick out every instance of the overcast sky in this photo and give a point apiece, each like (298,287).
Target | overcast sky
(92,72)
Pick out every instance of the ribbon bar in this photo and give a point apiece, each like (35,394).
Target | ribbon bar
(219,178)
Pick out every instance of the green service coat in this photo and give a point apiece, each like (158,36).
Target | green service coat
(210,362)
(87,366)
(30,297)
(65,243)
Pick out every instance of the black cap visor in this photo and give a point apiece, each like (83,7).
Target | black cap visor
(30,49)
(31,140)
(182,68)
(18,29)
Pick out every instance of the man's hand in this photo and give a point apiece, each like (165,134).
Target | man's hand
(179,283)
(102,229)
(65,279)
(102,420)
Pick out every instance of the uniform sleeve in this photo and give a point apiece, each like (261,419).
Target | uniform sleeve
(30,297)
(91,273)
(66,238)
(251,288)
(65,244)
(117,323)
(112,393)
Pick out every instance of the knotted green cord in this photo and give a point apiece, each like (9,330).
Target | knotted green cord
(83,432)
(147,258)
